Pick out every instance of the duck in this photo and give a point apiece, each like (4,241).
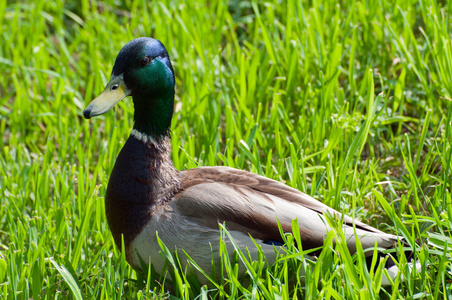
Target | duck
(148,199)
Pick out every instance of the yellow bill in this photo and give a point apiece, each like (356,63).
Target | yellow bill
(114,92)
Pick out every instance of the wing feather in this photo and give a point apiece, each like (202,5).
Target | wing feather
(254,204)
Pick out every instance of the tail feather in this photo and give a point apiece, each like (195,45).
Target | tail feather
(391,266)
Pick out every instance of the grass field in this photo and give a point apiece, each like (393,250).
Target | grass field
(350,103)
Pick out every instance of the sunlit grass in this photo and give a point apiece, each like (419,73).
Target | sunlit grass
(347,102)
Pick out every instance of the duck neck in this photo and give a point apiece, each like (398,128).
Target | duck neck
(159,146)
(153,114)
(152,128)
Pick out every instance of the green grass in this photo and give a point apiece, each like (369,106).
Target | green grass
(350,103)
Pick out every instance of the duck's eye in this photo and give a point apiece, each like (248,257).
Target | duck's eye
(144,61)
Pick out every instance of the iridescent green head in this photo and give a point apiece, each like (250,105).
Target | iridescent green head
(142,70)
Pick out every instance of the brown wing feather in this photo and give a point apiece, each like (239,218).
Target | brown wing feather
(246,202)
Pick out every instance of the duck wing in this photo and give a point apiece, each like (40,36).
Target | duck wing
(253,205)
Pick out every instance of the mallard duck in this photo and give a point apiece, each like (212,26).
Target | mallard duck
(147,195)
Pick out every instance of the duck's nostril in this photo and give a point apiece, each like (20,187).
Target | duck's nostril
(114,87)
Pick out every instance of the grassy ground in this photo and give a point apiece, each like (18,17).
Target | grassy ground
(350,103)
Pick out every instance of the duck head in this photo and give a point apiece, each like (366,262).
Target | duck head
(142,70)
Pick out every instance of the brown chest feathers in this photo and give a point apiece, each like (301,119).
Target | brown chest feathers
(143,177)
